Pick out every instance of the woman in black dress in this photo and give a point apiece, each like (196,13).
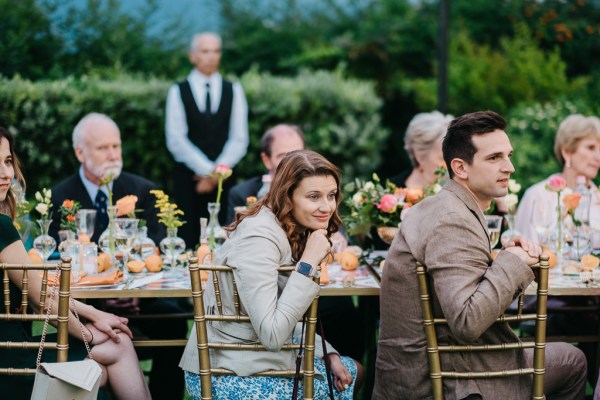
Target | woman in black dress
(109,334)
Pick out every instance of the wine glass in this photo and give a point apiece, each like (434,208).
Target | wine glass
(85,221)
(125,234)
(494,223)
(541,221)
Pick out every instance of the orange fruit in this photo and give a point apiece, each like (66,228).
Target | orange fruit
(348,261)
(553,259)
(202,252)
(203,276)
(104,262)
(83,238)
(154,263)
(324,275)
(35,257)
(136,266)
(494,253)
(589,262)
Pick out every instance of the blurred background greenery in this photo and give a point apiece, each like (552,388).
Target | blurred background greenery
(351,73)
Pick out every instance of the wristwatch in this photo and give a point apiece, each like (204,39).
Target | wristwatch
(305,269)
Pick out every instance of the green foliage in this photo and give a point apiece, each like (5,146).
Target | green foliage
(339,116)
(483,78)
(532,129)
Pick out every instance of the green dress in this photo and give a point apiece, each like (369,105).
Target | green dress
(20,387)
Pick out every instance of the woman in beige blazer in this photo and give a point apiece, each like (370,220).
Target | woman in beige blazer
(290,225)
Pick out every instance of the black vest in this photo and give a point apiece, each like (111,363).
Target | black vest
(208,132)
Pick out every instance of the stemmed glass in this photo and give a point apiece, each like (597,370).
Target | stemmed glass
(541,221)
(85,221)
(125,234)
(494,223)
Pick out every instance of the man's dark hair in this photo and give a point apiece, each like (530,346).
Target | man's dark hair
(267,138)
(458,141)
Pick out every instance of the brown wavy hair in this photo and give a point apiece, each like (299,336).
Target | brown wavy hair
(9,205)
(294,167)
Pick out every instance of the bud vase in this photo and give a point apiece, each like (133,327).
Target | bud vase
(559,237)
(106,242)
(143,247)
(172,246)
(214,232)
(511,232)
(44,244)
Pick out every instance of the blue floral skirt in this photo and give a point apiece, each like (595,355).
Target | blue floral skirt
(232,387)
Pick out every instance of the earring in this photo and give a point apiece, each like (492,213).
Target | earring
(568,163)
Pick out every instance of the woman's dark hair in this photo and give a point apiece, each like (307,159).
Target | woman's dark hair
(9,205)
(294,167)
(458,141)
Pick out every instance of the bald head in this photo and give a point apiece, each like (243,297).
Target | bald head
(277,142)
(205,52)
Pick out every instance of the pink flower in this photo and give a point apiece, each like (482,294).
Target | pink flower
(556,183)
(388,203)
(223,171)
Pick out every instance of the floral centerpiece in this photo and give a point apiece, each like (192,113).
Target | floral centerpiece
(68,209)
(557,184)
(169,215)
(214,230)
(44,244)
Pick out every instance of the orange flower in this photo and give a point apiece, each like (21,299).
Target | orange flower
(126,205)
(68,204)
(414,195)
(251,200)
(572,200)
(70,218)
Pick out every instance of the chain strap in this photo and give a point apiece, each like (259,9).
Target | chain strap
(47,319)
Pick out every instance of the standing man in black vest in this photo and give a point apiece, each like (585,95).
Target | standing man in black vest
(206,125)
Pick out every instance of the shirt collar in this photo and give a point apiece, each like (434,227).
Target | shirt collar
(91,187)
(198,76)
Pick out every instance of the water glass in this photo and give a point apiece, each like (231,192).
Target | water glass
(85,221)
(494,223)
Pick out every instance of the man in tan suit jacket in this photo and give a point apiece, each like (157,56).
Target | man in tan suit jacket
(447,233)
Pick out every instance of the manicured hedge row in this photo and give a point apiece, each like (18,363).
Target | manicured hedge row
(339,116)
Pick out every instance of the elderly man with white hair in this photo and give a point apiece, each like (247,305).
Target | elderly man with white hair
(97,146)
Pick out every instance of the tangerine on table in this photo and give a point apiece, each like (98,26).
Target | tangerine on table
(552,258)
(83,238)
(348,261)
(136,266)
(104,262)
(589,262)
(154,263)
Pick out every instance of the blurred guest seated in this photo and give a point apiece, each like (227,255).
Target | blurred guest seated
(274,145)
(423,143)
(97,146)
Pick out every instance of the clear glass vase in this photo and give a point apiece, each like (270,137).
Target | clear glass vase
(559,237)
(511,232)
(215,233)
(44,244)
(106,241)
(172,246)
(143,245)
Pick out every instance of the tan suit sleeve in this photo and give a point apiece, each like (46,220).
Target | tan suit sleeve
(471,294)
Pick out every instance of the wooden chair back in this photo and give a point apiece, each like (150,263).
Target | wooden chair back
(61,319)
(539,344)
(200,319)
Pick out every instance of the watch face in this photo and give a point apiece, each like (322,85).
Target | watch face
(304,268)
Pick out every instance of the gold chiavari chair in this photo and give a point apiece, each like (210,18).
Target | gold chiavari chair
(61,319)
(539,344)
(200,319)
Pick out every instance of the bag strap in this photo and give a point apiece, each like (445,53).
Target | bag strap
(47,319)
(298,363)
(326,359)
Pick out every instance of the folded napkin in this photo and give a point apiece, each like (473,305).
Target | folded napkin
(108,278)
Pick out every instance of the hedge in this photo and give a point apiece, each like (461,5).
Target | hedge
(340,118)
